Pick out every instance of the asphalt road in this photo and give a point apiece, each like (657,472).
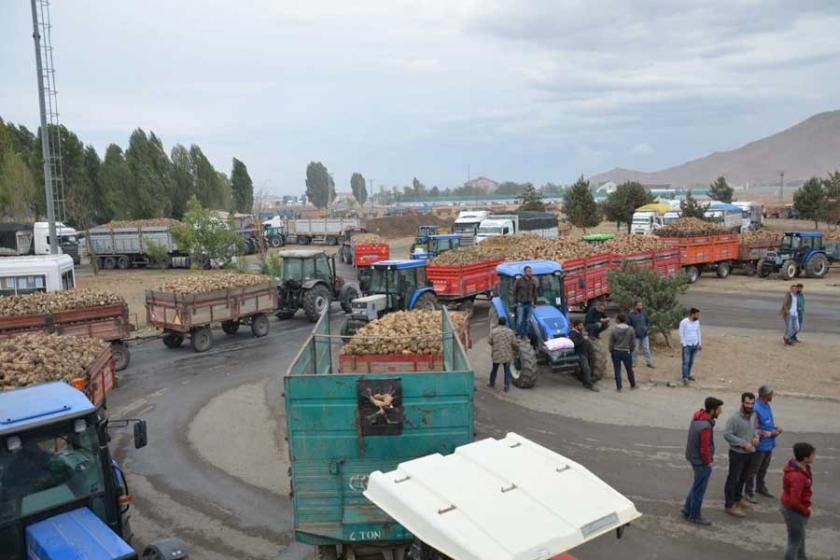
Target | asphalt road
(177,492)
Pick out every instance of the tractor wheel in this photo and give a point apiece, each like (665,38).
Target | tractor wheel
(315,301)
(427,301)
(723,270)
(788,270)
(122,356)
(275,241)
(350,293)
(173,340)
(693,273)
(763,272)
(526,371)
(286,314)
(230,327)
(750,269)
(599,360)
(201,339)
(816,267)
(325,552)
(123,262)
(109,263)
(259,325)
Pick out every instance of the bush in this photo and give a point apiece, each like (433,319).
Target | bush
(658,293)
(272,266)
(206,237)
(156,253)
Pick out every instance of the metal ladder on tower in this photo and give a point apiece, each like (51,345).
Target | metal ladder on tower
(52,159)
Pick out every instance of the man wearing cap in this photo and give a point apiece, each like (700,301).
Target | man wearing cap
(767,432)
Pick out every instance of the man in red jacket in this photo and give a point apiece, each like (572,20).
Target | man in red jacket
(796,498)
(700,453)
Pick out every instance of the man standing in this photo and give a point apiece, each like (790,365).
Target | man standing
(691,342)
(502,351)
(800,310)
(596,319)
(767,433)
(796,498)
(790,313)
(740,434)
(622,342)
(585,353)
(525,296)
(700,452)
(640,321)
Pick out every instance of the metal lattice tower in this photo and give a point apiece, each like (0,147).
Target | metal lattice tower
(53,169)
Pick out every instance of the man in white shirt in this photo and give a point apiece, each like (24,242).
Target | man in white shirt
(691,342)
(790,313)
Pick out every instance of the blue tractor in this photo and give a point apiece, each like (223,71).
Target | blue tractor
(392,285)
(548,329)
(800,251)
(434,246)
(422,240)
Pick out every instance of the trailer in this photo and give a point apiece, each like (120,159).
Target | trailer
(462,284)
(585,280)
(365,254)
(107,322)
(180,315)
(339,431)
(325,231)
(751,255)
(125,247)
(705,252)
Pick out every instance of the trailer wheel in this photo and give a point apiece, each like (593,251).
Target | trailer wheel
(230,327)
(315,301)
(259,325)
(325,552)
(173,340)
(123,262)
(693,274)
(201,339)
(788,270)
(816,267)
(122,356)
(526,371)
(723,269)
(109,263)
(762,270)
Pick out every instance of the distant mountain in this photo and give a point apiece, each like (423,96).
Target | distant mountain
(809,148)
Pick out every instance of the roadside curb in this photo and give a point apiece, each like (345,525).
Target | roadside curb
(699,387)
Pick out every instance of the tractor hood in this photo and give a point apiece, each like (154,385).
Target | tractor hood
(551,320)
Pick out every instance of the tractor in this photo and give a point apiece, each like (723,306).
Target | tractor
(393,285)
(800,251)
(422,240)
(308,280)
(434,246)
(548,328)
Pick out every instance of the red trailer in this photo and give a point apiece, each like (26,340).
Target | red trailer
(365,254)
(458,283)
(585,279)
(100,378)
(108,322)
(389,363)
(706,252)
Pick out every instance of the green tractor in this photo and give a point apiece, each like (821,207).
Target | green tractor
(308,281)
(393,285)
(800,251)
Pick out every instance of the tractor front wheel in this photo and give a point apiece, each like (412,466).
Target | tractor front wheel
(817,267)
(348,295)
(526,371)
(315,301)
(788,270)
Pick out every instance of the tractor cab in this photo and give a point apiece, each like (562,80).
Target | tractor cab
(392,285)
(421,242)
(800,251)
(548,328)
(435,245)
(308,281)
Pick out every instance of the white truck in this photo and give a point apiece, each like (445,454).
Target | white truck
(467,223)
(648,218)
(34,239)
(324,231)
(726,215)
(36,273)
(543,224)
(752,215)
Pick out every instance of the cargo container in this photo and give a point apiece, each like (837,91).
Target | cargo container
(326,231)
(125,247)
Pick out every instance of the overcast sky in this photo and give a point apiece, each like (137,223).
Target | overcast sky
(526,90)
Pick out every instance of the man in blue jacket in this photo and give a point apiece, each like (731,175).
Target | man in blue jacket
(767,432)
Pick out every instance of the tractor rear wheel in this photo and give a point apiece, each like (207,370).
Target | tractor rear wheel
(427,301)
(723,270)
(315,301)
(259,325)
(599,360)
(230,327)
(763,272)
(817,267)
(348,295)
(526,371)
(788,270)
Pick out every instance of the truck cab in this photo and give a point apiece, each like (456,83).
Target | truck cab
(467,223)
(544,224)
(648,218)
(494,227)
(54,463)
(68,239)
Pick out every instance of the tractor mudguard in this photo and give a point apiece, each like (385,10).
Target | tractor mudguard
(416,295)
(342,293)
(499,306)
(812,253)
(311,283)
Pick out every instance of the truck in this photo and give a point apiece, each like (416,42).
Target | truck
(63,495)
(544,224)
(752,215)
(34,239)
(130,246)
(179,315)
(648,218)
(339,431)
(728,216)
(467,223)
(41,273)
(326,231)
(718,252)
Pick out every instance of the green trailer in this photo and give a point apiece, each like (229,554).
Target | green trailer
(344,426)
(597,238)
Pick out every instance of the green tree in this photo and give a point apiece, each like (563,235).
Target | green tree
(242,187)
(691,208)
(209,188)
(418,188)
(622,203)
(184,182)
(206,237)
(117,183)
(359,188)
(579,205)
(17,185)
(831,187)
(720,190)
(810,201)
(658,293)
(151,177)
(532,199)
(320,188)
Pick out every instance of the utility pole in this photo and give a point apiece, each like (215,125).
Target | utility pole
(781,185)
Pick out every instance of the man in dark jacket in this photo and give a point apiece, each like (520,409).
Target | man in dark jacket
(700,452)
(796,498)
(525,297)
(640,321)
(596,319)
(585,353)
(622,342)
